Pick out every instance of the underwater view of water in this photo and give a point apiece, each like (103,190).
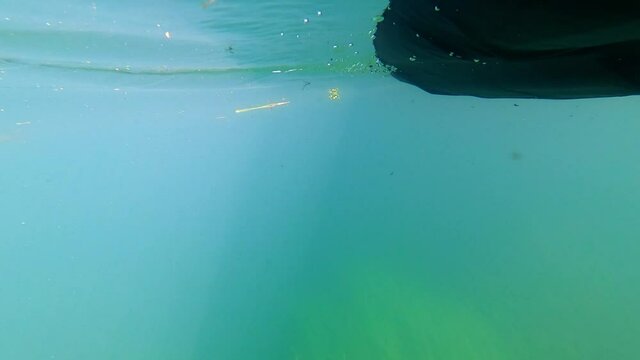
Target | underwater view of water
(240,179)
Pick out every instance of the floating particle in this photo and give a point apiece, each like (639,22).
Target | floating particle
(516,155)
(305,20)
(334,94)
(436,8)
(167,35)
(319,13)
(262,107)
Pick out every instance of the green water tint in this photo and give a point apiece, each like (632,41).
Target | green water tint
(142,218)
(385,315)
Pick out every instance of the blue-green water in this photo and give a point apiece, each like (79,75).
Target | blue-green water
(141,217)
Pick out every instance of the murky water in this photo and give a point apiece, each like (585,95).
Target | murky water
(143,217)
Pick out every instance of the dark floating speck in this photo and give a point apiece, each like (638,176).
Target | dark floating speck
(516,155)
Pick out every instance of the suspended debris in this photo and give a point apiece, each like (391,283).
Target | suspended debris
(262,107)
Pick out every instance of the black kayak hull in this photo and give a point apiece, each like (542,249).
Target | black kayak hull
(513,48)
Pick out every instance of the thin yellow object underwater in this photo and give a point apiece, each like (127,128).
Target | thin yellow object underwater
(262,107)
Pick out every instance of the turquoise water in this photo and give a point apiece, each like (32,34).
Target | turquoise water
(143,218)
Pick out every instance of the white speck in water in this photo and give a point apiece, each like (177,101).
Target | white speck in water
(350,44)
(412,58)
(208,3)
(281,34)
(167,35)
(319,13)
(306,20)
(436,8)
(476,60)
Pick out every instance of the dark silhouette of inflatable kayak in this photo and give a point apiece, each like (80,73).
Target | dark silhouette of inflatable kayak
(553,49)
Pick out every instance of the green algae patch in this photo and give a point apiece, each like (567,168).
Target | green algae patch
(385,316)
